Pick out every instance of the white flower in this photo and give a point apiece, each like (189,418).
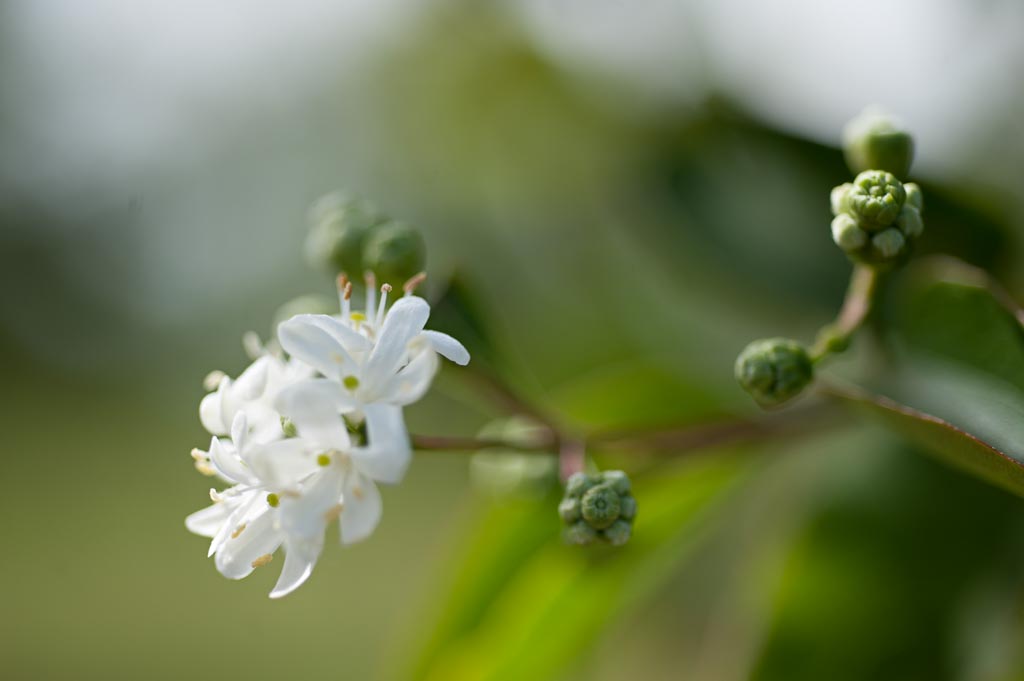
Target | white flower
(252,392)
(381,357)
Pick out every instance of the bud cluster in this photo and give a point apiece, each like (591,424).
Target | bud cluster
(598,507)
(877,217)
(351,235)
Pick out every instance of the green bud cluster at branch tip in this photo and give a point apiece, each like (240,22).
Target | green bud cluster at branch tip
(774,370)
(598,507)
(351,235)
(877,218)
(873,141)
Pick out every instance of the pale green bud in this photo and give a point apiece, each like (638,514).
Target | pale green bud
(847,235)
(394,252)
(581,533)
(875,200)
(338,228)
(619,533)
(569,509)
(874,141)
(838,198)
(774,370)
(909,222)
(914,196)
(628,510)
(577,484)
(889,244)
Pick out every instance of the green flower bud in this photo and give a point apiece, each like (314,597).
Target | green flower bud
(875,200)
(619,533)
(577,484)
(847,235)
(628,508)
(838,198)
(581,533)
(598,507)
(909,222)
(288,427)
(394,252)
(569,509)
(889,244)
(774,370)
(338,228)
(914,196)
(873,141)
(618,480)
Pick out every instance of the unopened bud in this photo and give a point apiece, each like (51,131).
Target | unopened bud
(394,252)
(598,507)
(338,228)
(774,370)
(873,141)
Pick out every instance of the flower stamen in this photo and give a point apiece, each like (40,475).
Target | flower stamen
(263,560)
(413,282)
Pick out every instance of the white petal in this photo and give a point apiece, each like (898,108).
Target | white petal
(224,459)
(282,464)
(315,407)
(299,559)
(307,516)
(211,409)
(243,506)
(362,508)
(239,430)
(350,339)
(412,381)
(402,323)
(448,347)
(260,537)
(252,382)
(208,521)
(302,337)
(388,453)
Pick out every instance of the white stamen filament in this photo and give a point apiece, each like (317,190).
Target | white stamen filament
(384,290)
(371,294)
(413,282)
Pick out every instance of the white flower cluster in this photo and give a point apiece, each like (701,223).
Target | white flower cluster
(303,440)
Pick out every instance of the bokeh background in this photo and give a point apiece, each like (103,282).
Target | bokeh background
(623,194)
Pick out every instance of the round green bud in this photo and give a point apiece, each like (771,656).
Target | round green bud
(838,198)
(889,244)
(618,480)
(774,370)
(581,533)
(618,534)
(874,141)
(847,235)
(909,222)
(600,506)
(577,484)
(875,200)
(914,196)
(628,508)
(288,427)
(338,228)
(569,509)
(394,252)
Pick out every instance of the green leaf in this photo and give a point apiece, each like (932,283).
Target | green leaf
(942,439)
(553,600)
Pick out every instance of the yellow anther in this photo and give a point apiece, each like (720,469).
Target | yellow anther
(238,531)
(357,492)
(333,513)
(263,560)
(358,317)
(323,460)
(205,468)
(350,382)
(273,500)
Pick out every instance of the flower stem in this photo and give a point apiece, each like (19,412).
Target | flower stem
(861,296)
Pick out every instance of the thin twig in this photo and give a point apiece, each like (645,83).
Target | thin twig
(857,307)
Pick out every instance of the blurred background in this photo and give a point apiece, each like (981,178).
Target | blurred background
(624,194)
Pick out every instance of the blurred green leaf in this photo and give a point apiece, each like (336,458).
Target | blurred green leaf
(552,601)
(957,389)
